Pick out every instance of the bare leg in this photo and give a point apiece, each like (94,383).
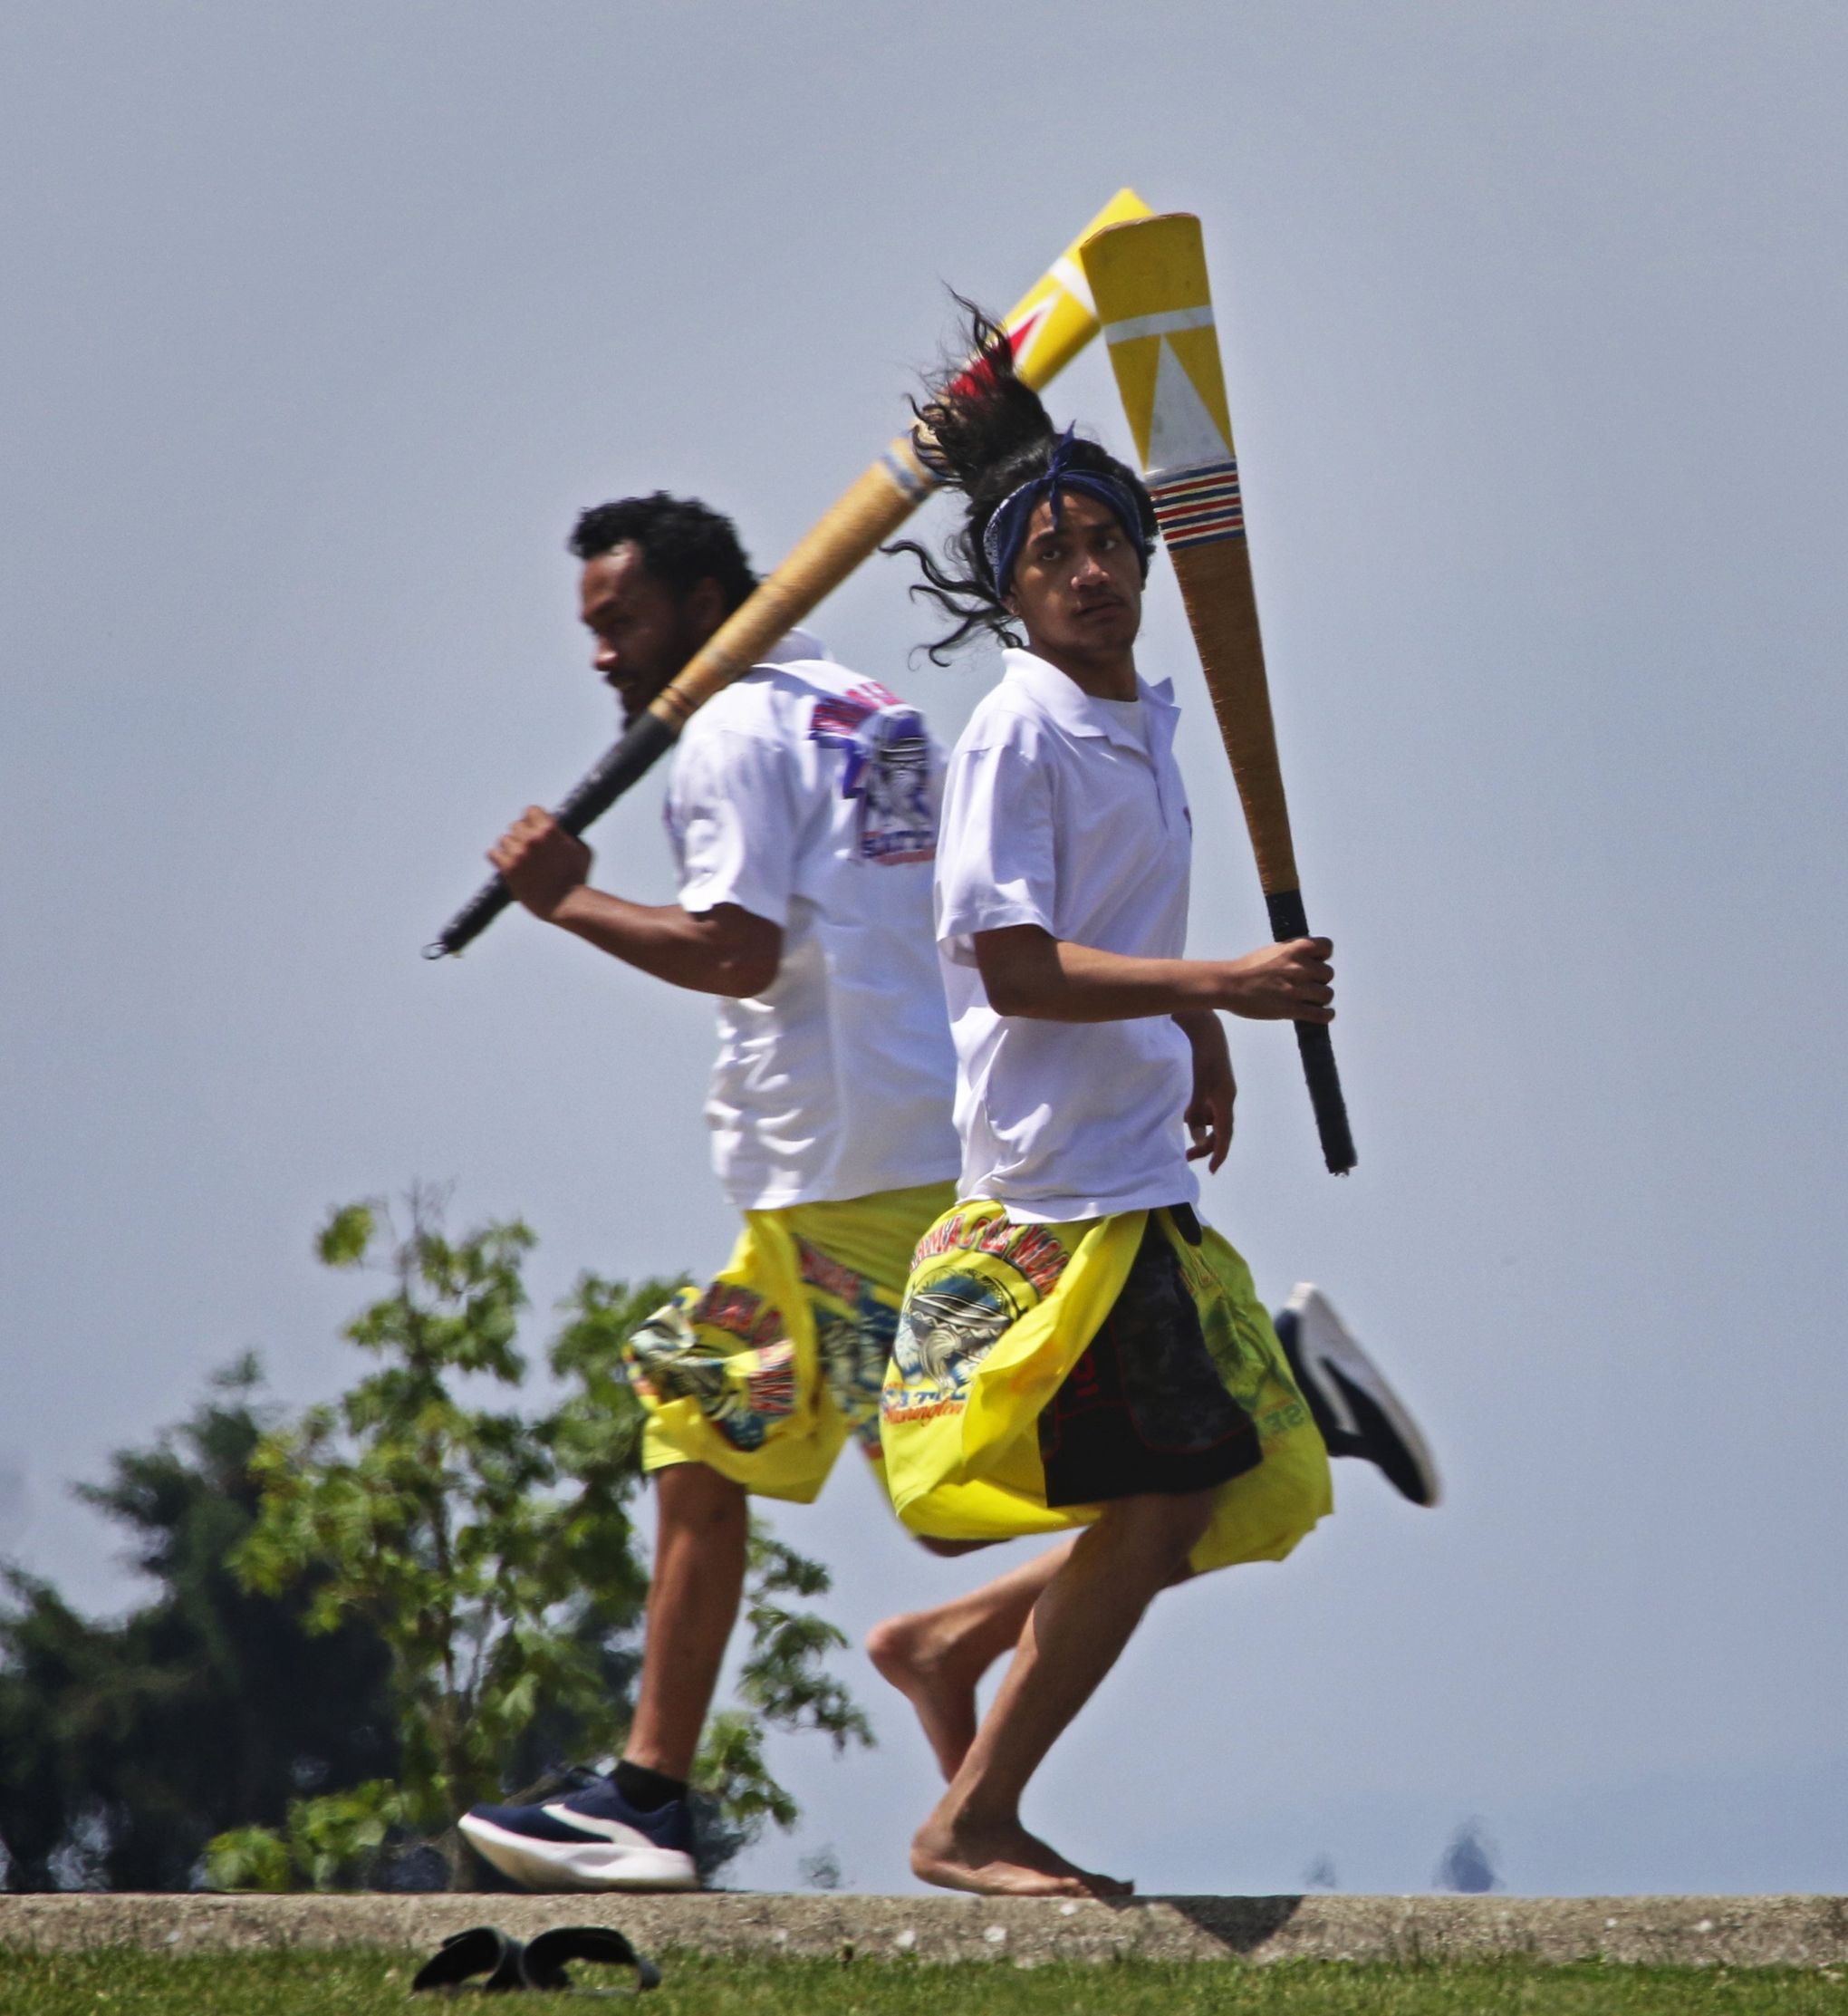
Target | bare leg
(692,1605)
(1081,1623)
(936,1658)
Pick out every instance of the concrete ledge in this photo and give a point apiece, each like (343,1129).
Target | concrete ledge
(1734,1932)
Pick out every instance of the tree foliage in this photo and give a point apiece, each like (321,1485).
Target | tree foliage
(376,1611)
(125,1745)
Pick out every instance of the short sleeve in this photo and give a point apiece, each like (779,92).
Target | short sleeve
(994,856)
(732,817)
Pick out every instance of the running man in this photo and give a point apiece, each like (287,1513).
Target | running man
(802,808)
(1076,1349)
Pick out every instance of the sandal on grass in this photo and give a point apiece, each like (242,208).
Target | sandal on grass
(481,1950)
(537,1963)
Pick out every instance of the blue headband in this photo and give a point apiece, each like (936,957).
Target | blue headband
(1006,531)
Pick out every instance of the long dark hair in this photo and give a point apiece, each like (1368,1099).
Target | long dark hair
(983,431)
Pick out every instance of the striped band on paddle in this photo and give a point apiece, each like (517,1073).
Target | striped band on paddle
(903,468)
(1195,507)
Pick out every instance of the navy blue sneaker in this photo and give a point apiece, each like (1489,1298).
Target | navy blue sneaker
(1355,1408)
(589,1838)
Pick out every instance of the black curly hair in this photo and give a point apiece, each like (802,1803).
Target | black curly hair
(982,431)
(682,542)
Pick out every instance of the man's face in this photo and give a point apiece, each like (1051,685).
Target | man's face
(1077,586)
(643,633)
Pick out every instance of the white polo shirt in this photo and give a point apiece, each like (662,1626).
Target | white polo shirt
(1068,813)
(809,795)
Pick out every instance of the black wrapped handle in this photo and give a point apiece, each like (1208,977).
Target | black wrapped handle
(1287,920)
(647,740)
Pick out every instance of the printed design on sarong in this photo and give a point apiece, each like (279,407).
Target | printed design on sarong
(740,1391)
(1028,1249)
(854,1353)
(740,1312)
(727,1349)
(770,1384)
(888,769)
(954,1314)
(1252,1369)
(854,1338)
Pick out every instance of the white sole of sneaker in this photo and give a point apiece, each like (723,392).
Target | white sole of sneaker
(1322,1339)
(567,1865)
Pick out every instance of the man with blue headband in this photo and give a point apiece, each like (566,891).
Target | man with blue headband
(1076,1350)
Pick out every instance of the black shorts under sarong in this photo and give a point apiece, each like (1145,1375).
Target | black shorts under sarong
(1144,1410)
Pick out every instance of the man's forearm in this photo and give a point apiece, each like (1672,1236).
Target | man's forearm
(1028,972)
(669,942)
(1056,981)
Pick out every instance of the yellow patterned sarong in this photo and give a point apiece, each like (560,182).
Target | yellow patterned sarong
(764,1372)
(994,1317)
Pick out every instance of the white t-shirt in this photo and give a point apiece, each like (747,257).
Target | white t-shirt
(1068,813)
(809,795)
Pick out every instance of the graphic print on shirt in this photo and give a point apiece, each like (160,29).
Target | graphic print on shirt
(886,750)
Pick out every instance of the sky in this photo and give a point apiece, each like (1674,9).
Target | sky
(320,325)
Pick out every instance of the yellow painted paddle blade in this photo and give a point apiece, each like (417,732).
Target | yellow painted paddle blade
(1054,320)
(1149,282)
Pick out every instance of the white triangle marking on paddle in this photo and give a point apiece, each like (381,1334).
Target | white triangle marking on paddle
(1182,433)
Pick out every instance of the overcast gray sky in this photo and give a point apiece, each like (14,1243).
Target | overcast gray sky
(319,324)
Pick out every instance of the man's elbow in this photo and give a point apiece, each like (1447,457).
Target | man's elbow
(1019,969)
(750,959)
(743,953)
(743,976)
(1015,993)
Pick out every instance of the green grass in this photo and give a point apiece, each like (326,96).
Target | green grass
(356,1984)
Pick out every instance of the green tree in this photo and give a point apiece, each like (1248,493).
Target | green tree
(493,1554)
(125,1746)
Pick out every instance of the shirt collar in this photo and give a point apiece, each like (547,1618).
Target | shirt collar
(1072,709)
(793,647)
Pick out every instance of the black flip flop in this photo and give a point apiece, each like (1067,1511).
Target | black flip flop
(537,1963)
(542,1962)
(481,1950)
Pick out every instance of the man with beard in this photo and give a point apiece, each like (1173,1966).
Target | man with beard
(802,808)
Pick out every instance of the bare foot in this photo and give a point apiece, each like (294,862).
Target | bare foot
(923,1662)
(1002,1859)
